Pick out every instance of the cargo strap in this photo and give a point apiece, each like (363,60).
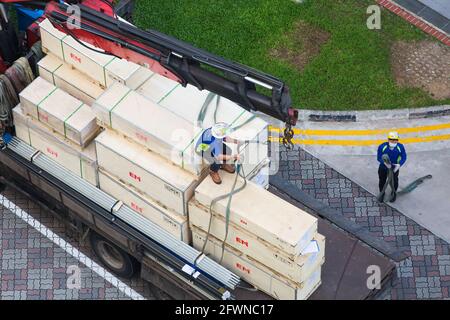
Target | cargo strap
(114,106)
(239,172)
(70,116)
(45,98)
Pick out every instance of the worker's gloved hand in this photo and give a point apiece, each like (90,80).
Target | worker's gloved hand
(396,167)
(388,165)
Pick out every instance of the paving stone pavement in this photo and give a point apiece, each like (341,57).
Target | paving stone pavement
(425,274)
(34,268)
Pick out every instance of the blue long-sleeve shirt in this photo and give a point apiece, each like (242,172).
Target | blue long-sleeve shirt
(396,155)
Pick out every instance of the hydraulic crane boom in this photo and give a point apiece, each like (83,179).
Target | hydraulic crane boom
(173,58)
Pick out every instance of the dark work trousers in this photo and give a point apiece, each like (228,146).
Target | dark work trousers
(215,163)
(383,174)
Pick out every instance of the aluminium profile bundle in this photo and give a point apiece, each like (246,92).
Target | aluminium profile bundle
(147,227)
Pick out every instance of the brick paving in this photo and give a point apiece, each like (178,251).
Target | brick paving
(34,268)
(423,275)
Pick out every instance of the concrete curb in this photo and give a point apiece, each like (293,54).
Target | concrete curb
(369,115)
(421,16)
(373,115)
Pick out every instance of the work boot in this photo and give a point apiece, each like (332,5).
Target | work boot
(215,177)
(230,168)
(393,197)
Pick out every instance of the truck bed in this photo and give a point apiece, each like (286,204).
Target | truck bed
(344,274)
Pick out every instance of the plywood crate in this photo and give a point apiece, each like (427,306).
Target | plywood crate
(187,102)
(296,268)
(262,213)
(255,273)
(157,87)
(127,73)
(174,223)
(148,172)
(51,39)
(33,94)
(80,161)
(64,113)
(103,68)
(150,125)
(20,124)
(67,78)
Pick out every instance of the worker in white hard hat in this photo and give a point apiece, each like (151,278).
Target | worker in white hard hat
(211,147)
(397,156)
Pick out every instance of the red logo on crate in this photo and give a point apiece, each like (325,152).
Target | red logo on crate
(243,222)
(243,242)
(75,57)
(52,152)
(43,116)
(140,136)
(135,176)
(242,268)
(135,207)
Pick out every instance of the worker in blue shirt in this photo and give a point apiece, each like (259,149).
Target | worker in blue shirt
(397,156)
(211,147)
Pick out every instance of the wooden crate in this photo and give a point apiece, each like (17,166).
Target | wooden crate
(64,113)
(127,73)
(103,68)
(47,67)
(51,39)
(150,125)
(33,94)
(20,124)
(255,273)
(80,161)
(296,268)
(157,87)
(170,221)
(187,102)
(86,60)
(67,78)
(262,213)
(146,171)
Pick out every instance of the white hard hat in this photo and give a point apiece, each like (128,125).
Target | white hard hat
(220,130)
(393,135)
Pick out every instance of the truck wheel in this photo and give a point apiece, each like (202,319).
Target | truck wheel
(114,258)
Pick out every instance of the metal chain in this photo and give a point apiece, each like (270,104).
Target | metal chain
(288,134)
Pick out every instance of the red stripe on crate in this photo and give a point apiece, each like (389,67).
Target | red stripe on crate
(388,4)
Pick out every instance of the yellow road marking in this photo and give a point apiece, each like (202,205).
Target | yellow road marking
(318,132)
(362,142)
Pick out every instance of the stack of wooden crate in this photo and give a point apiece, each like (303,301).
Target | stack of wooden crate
(58,125)
(145,158)
(103,69)
(189,103)
(270,243)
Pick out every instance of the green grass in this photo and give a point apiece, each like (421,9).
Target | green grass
(352,71)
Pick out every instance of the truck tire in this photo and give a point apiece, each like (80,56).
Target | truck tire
(114,258)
